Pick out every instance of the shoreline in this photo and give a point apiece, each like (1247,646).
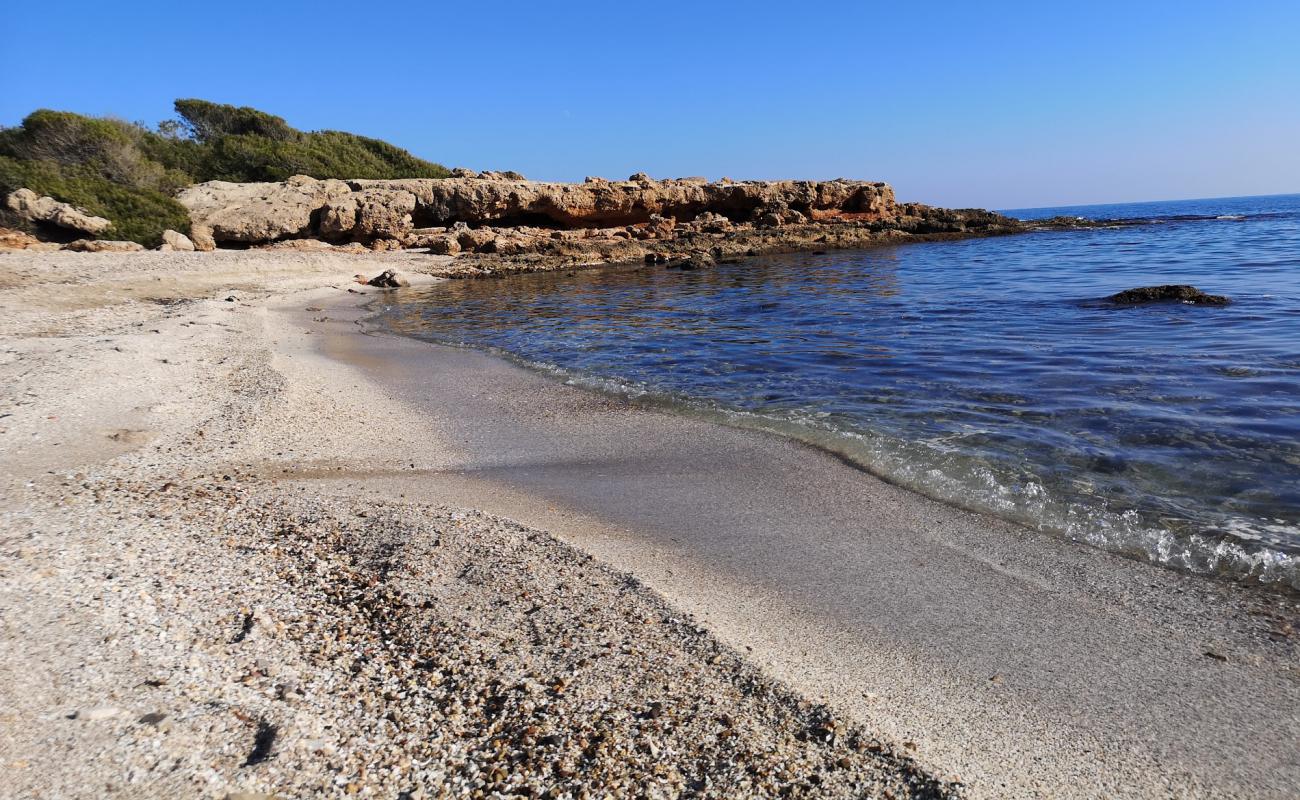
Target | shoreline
(1073,594)
(341,421)
(762,424)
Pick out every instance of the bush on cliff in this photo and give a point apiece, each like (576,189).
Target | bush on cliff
(244,144)
(129,172)
(207,122)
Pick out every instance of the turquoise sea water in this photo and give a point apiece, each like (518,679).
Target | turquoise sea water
(986,372)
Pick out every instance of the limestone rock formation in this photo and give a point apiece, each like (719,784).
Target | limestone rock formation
(313,246)
(18,240)
(177,241)
(201,235)
(499,221)
(597,204)
(33,208)
(365,210)
(256,213)
(368,215)
(103,246)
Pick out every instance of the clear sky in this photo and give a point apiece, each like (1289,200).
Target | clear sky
(991,104)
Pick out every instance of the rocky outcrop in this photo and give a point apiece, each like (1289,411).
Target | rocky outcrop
(103,246)
(35,209)
(314,246)
(498,221)
(18,240)
(257,213)
(599,203)
(1168,293)
(202,238)
(367,215)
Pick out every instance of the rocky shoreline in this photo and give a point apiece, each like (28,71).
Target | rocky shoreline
(500,223)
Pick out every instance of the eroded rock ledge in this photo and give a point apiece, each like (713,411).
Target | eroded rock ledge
(502,222)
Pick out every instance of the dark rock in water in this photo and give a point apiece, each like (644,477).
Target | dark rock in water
(388,279)
(1180,293)
(1076,223)
(700,261)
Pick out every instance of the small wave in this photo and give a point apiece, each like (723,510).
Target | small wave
(1231,216)
(932,468)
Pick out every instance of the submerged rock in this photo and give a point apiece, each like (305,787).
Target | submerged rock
(1168,293)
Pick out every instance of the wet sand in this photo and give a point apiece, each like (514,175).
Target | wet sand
(1019,664)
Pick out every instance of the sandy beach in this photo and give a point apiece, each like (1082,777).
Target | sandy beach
(251,550)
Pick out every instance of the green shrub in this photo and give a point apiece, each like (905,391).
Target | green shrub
(112,147)
(208,122)
(128,173)
(244,144)
(137,214)
(336,153)
(327,154)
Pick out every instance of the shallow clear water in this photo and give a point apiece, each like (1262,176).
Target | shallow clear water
(982,372)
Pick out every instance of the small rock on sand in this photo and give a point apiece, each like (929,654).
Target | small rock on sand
(389,279)
(103,246)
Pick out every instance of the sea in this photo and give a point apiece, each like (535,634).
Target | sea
(986,373)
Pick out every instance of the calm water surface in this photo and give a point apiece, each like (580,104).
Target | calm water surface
(984,372)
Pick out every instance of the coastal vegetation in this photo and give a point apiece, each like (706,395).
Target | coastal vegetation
(129,172)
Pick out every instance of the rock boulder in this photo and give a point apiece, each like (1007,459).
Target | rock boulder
(17,240)
(256,213)
(177,241)
(1168,293)
(367,215)
(33,208)
(103,246)
(388,279)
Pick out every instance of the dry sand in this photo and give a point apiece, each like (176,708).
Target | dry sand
(228,567)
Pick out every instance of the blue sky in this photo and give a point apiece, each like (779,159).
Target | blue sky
(990,104)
